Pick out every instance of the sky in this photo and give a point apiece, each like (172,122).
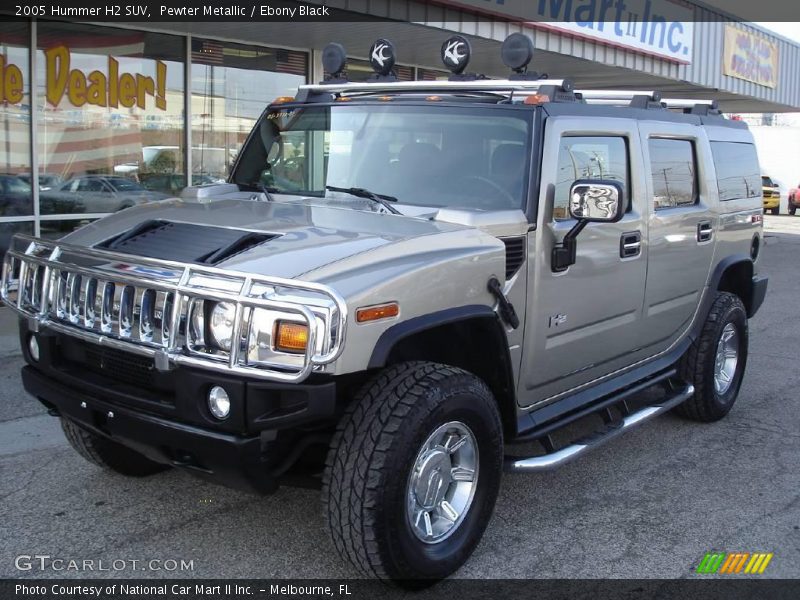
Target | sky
(788,30)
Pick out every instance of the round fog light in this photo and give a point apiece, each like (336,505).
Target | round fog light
(33,348)
(218,402)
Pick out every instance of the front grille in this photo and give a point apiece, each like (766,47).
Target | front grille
(122,366)
(119,301)
(130,374)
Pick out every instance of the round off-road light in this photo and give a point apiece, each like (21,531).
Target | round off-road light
(218,402)
(33,347)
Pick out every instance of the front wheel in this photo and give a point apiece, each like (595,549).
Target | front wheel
(413,473)
(716,360)
(792,208)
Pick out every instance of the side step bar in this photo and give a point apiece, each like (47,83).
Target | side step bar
(546,462)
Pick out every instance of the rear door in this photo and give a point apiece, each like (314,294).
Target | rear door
(583,323)
(682,222)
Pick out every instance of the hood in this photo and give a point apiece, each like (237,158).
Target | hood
(307,235)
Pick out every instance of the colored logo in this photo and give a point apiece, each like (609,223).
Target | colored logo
(731,563)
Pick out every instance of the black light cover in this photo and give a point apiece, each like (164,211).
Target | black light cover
(382,56)
(456,52)
(517,52)
(334,59)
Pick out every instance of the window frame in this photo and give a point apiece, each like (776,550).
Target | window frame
(695,179)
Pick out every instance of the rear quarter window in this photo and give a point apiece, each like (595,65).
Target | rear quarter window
(738,173)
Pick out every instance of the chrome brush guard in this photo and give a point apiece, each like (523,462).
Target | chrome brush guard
(144,306)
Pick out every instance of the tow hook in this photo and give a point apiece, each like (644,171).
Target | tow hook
(505,308)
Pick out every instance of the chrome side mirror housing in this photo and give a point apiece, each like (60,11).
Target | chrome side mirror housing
(596,201)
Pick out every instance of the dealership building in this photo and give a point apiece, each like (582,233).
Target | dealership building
(97,117)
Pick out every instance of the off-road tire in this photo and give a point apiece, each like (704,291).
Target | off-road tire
(697,365)
(368,467)
(108,454)
(792,209)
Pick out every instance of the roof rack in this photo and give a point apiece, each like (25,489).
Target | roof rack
(477,85)
(556,90)
(647,99)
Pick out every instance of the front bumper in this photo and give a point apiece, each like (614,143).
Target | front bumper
(771,202)
(232,460)
(166,418)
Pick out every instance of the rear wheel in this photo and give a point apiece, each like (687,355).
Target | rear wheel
(715,362)
(413,473)
(108,454)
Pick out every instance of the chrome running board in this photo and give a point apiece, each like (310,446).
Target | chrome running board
(546,462)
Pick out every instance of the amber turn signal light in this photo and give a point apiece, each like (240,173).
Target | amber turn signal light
(380,311)
(290,337)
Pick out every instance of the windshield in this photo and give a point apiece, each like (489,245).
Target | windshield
(468,157)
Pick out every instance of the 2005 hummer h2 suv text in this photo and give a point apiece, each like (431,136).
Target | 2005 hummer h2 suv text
(399,282)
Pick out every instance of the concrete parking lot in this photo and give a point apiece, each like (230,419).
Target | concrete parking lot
(648,505)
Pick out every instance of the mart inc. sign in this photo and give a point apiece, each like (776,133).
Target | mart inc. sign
(657,27)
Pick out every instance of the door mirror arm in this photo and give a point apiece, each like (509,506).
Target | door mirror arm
(565,252)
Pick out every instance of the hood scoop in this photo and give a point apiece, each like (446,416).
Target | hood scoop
(184,242)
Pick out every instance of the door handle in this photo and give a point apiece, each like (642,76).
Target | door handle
(704,231)
(630,244)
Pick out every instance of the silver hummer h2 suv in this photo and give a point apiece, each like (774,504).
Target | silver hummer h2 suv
(401,283)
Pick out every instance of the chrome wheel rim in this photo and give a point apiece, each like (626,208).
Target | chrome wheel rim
(442,482)
(727,358)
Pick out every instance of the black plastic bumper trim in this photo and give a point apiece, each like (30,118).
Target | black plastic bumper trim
(237,461)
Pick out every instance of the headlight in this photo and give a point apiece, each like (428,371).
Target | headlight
(221,325)
(219,403)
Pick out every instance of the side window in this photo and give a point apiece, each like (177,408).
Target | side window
(738,173)
(674,172)
(588,158)
(91,185)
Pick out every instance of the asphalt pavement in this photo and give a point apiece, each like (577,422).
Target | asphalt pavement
(649,504)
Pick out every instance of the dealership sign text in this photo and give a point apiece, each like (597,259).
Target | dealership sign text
(111,88)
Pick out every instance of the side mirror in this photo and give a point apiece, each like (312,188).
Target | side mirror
(596,201)
(590,201)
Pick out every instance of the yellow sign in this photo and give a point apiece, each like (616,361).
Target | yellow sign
(750,57)
(10,82)
(100,89)
(112,89)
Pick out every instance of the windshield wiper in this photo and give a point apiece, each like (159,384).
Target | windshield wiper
(381,199)
(267,191)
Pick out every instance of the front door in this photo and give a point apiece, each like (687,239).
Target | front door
(583,323)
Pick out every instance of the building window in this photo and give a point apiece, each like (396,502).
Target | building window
(359,70)
(110,107)
(16,198)
(588,158)
(231,86)
(432,74)
(737,170)
(672,165)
